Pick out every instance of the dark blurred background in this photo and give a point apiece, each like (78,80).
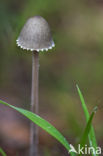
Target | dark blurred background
(77,28)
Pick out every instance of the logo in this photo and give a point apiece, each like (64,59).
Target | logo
(85,150)
(72,149)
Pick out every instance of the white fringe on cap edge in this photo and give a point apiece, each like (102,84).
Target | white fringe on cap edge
(18,43)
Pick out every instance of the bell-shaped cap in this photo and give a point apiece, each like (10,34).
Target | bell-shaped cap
(36,35)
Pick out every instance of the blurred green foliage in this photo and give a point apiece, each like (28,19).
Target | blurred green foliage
(77,28)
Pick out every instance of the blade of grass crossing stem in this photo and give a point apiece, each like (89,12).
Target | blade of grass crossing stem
(2,152)
(91,135)
(87,129)
(43,124)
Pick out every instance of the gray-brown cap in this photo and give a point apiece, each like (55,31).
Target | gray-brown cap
(36,35)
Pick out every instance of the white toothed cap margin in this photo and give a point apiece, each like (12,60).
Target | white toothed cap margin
(24,48)
(35,35)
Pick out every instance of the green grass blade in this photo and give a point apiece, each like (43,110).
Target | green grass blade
(83,103)
(91,136)
(43,124)
(2,152)
(87,129)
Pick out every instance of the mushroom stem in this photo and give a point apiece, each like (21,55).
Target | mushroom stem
(34,103)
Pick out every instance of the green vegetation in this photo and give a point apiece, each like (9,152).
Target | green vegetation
(89,131)
(2,152)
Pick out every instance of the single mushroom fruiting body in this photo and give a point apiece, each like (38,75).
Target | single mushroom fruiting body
(35,36)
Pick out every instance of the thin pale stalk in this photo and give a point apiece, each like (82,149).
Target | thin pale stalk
(34,103)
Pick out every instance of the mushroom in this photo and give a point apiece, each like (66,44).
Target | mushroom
(35,36)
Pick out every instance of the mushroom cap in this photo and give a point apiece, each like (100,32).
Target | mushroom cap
(35,35)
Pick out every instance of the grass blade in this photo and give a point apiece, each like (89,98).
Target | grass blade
(2,152)
(87,129)
(43,124)
(91,135)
